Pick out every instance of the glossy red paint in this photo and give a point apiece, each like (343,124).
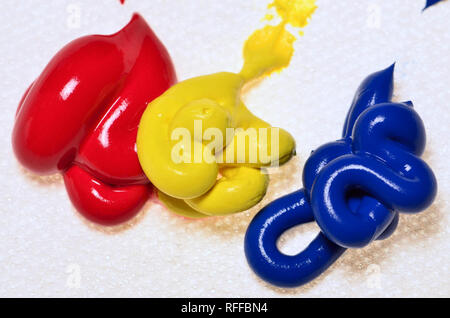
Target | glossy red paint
(80,117)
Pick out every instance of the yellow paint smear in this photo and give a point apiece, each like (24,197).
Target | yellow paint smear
(271,48)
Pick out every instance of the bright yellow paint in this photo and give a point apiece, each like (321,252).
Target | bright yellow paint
(210,184)
(296,13)
(271,48)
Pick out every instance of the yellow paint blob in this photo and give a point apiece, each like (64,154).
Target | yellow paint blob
(219,171)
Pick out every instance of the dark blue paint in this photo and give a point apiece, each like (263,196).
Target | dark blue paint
(353,188)
(431,3)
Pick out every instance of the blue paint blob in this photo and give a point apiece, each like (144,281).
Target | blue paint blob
(354,188)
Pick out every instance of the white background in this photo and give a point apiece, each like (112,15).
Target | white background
(47,249)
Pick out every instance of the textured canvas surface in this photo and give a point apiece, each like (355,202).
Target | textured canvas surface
(47,249)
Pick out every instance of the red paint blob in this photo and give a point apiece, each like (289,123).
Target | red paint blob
(80,118)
